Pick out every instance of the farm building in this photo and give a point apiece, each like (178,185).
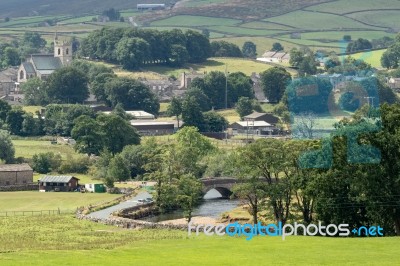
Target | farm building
(150,6)
(96,188)
(58,183)
(394,83)
(153,128)
(136,114)
(260,128)
(266,117)
(15,174)
(275,57)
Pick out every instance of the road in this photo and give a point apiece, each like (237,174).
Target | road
(105,213)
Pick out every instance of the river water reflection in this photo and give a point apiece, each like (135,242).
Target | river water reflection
(212,206)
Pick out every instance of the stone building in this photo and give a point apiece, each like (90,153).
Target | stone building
(43,65)
(15,174)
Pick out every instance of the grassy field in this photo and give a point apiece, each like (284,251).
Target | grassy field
(385,18)
(373,57)
(28,148)
(36,201)
(317,21)
(63,240)
(194,21)
(214,64)
(345,6)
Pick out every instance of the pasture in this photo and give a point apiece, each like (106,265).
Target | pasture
(63,240)
(27,148)
(36,201)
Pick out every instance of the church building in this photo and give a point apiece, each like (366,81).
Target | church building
(43,65)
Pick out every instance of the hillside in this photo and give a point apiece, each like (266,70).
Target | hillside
(12,8)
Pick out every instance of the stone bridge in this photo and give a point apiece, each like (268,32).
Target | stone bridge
(222,184)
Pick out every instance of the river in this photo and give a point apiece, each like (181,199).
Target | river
(212,206)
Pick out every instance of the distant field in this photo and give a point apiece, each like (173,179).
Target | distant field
(317,21)
(200,3)
(345,6)
(28,148)
(264,25)
(338,35)
(190,21)
(215,64)
(373,57)
(243,31)
(63,240)
(36,201)
(386,18)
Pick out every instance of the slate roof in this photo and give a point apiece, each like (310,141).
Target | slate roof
(253,124)
(254,115)
(56,179)
(46,62)
(15,167)
(29,67)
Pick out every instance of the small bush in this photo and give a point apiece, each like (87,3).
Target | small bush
(78,165)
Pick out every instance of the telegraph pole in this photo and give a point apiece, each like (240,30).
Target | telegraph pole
(226,86)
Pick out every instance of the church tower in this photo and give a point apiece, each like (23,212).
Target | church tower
(63,50)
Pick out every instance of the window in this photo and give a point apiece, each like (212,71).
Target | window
(7,183)
(21,74)
(67,51)
(59,51)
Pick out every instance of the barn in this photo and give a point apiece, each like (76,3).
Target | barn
(58,183)
(15,174)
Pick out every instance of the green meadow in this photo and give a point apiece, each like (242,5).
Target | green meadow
(63,240)
(37,201)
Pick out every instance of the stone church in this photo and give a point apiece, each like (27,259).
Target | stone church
(43,65)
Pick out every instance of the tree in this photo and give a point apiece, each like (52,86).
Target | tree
(274,82)
(391,57)
(262,166)
(7,150)
(134,95)
(190,191)
(192,115)
(112,14)
(118,133)
(33,40)
(132,52)
(118,169)
(215,122)
(349,102)
(249,49)
(4,109)
(198,46)
(205,32)
(347,38)
(11,57)
(277,47)
(34,92)
(358,45)
(200,97)
(225,49)
(88,135)
(14,120)
(178,55)
(307,66)
(67,85)
(175,108)
(244,107)
(44,163)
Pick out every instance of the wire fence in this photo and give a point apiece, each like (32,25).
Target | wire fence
(35,213)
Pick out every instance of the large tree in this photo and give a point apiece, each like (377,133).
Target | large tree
(249,49)
(118,133)
(7,150)
(133,94)
(88,135)
(175,108)
(67,85)
(274,82)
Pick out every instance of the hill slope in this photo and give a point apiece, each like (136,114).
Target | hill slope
(12,8)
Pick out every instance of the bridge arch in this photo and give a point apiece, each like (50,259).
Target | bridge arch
(224,191)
